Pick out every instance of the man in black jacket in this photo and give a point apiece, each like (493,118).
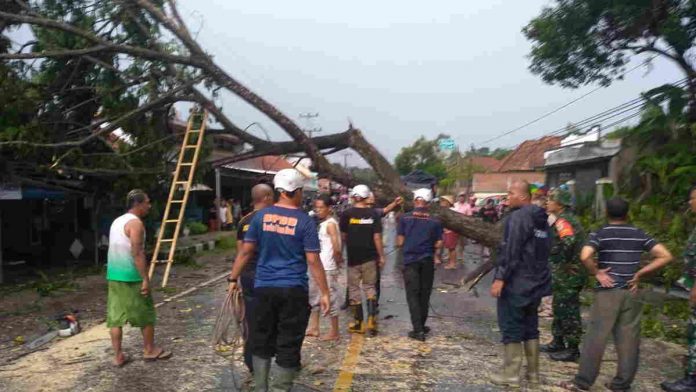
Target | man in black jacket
(522,278)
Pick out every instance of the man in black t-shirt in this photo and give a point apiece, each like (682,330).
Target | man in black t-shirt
(361,228)
(262,197)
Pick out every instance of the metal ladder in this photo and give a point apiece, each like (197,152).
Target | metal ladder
(179,191)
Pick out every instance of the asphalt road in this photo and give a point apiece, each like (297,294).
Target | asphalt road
(459,355)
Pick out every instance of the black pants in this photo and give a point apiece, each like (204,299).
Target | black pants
(248,287)
(518,318)
(418,279)
(280,320)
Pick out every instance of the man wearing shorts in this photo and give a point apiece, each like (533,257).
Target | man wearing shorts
(361,228)
(332,260)
(129,298)
(287,242)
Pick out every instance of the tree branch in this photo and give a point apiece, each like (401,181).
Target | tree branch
(132,50)
(54,53)
(114,124)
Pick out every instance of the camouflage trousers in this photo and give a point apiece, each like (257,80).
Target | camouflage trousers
(691,341)
(567,322)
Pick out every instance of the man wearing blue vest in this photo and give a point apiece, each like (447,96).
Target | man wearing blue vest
(287,242)
(420,237)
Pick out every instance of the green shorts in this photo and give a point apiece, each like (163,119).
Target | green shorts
(125,304)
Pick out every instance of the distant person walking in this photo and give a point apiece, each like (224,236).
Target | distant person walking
(420,236)
(450,238)
(129,297)
(616,310)
(236,211)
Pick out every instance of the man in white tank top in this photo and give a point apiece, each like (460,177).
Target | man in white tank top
(332,260)
(129,298)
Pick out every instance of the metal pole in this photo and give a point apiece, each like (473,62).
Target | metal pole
(345,159)
(218,197)
(95,229)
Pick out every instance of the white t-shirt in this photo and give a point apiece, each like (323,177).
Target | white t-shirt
(222,212)
(327,251)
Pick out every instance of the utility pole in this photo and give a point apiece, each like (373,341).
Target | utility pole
(309,118)
(345,159)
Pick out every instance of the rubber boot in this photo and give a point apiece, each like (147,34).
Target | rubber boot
(356,326)
(372,316)
(261,368)
(556,345)
(686,384)
(531,351)
(284,379)
(512,363)
(571,354)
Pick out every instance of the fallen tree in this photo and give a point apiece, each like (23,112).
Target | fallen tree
(187,73)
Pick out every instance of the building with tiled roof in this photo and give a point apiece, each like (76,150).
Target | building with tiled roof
(529,156)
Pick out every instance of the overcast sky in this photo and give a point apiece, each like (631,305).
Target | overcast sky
(398,69)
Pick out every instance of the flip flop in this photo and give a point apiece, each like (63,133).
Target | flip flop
(126,360)
(162,355)
(571,386)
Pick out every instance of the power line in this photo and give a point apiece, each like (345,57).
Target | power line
(562,106)
(634,104)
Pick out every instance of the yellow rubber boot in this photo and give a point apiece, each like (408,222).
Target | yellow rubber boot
(512,363)
(531,351)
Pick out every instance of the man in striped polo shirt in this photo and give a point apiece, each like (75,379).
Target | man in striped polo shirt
(616,310)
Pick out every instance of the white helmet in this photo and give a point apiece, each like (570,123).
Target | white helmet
(423,193)
(288,180)
(361,191)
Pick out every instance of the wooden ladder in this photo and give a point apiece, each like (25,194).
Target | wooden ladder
(179,191)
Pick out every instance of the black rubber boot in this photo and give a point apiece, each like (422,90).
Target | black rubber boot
(284,379)
(372,316)
(686,384)
(417,335)
(356,326)
(571,354)
(556,345)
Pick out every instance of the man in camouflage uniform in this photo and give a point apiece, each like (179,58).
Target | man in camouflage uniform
(688,383)
(569,277)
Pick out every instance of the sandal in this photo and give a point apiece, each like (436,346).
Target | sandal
(126,360)
(161,355)
(571,386)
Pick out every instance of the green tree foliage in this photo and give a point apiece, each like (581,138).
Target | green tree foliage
(577,42)
(65,99)
(424,155)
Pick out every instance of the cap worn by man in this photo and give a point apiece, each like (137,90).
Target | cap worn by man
(361,191)
(424,193)
(288,180)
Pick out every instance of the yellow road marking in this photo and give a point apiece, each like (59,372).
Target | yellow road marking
(345,378)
